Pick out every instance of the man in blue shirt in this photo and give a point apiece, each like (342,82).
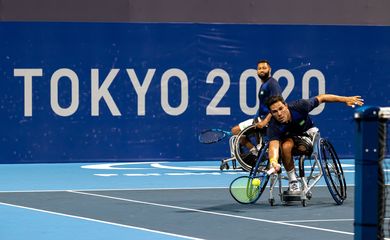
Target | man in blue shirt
(269,87)
(289,123)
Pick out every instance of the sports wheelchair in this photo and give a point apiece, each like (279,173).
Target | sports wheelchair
(239,152)
(321,159)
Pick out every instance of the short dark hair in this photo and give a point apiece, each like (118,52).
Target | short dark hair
(273,99)
(264,61)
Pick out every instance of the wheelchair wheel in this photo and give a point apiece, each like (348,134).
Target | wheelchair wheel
(333,172)
(250,136)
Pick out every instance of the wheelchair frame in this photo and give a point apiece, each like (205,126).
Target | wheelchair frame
(225,162)
(325,162)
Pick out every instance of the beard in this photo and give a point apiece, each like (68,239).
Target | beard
(264,76)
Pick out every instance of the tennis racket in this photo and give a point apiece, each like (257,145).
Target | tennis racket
(247,189)
(213,135)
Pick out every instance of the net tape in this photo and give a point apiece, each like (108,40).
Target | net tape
(384,112)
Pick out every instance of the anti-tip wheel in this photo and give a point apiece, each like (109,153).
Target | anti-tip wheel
(224,165)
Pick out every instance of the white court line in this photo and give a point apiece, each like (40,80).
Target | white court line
(100,221)
(212,213)
(320,220)
(113,166)
(197,168)
(115,189)
(325,220)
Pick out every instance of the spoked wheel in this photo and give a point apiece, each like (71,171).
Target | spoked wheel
(246,139)
(333,172)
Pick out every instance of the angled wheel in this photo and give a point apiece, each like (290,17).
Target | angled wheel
(333,172)
(246,139)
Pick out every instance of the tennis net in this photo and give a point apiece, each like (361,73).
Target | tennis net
(372,173)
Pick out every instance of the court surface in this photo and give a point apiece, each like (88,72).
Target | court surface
(156,200)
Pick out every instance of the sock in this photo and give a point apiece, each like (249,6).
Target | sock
(291,175)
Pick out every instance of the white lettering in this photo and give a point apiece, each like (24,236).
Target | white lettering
(290,81)
(313,73)
(249,73)
(60,73)
(174,72)
(141,89)
(28,74)
(141,86)
(212,108)
(102,92)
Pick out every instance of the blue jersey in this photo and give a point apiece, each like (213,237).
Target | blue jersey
(300,120)
(268,89)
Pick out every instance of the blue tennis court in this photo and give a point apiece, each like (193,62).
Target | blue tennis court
(156,200)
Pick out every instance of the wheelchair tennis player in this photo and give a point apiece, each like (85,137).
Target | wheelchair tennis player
(269,87)
(291,129)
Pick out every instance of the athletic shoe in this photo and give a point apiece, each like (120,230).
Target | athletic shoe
(293,186)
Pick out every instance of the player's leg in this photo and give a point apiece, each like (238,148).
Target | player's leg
(288,162)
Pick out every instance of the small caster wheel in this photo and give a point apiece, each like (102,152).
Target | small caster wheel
(224,166)
(309,195)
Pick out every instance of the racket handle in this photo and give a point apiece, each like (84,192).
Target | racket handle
(272,170)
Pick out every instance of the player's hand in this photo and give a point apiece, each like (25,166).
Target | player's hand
(276,166)
(354,101)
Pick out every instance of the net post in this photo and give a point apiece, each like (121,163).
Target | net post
(368,190)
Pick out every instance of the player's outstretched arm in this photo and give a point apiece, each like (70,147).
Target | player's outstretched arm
(351,101)
(273,154)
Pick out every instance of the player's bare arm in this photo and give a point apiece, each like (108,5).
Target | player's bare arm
(273,153)
(349,100)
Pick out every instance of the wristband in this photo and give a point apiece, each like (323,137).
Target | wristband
(272,161)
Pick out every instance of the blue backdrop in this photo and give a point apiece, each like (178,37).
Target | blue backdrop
(130,92)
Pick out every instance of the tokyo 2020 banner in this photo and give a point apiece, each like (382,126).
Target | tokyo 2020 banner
(75,92)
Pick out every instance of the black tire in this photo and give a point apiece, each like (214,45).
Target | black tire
(245,158)
(332,171)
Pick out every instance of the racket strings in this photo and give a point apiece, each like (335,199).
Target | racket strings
(245,191)
(211,136)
